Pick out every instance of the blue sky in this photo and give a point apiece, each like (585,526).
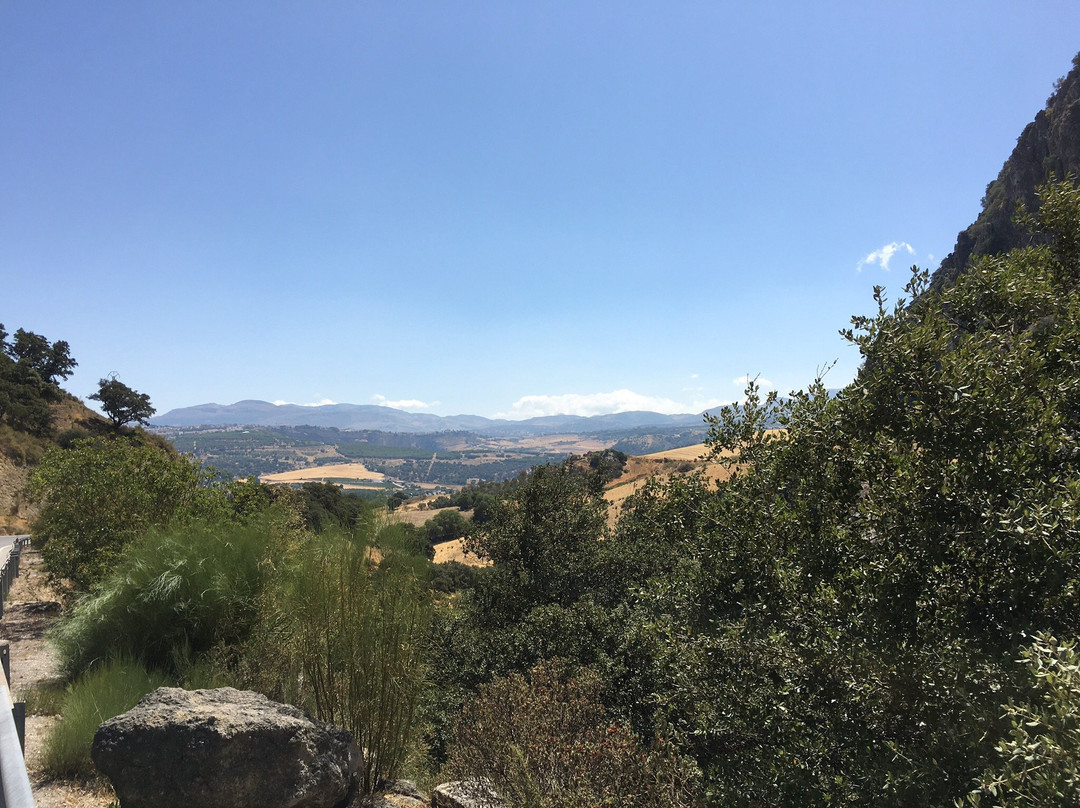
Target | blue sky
(492,207)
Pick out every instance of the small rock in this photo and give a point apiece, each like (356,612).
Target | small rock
(393,794)
(223,748)
(466,794)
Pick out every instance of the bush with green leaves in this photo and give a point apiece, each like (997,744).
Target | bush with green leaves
(561,584)
(1039,761)
(100,494)
(326,505)
(447,525)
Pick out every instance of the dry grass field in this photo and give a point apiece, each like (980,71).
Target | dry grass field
(455,551)
(695,452)
(663,466)
(340,471)
(412,515)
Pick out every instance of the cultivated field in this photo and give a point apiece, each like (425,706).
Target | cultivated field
(340,471)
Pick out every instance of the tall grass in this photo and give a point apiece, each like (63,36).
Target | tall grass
(175,595)
(346,624)
(100,694)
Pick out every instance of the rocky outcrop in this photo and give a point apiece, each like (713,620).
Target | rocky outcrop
(223,748)
(1048,146)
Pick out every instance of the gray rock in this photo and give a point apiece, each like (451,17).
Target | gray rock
(392,794)
(466,794)
(223,748)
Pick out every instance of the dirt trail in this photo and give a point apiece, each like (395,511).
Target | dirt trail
(31,606)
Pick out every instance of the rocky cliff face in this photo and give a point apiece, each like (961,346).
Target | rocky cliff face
(1049,145)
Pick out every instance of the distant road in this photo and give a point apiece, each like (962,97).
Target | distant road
(6,543)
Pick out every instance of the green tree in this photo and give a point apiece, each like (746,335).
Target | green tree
(30,367)
(121,404)
(327,505)
(446,526)
(101,494)
(396,500)
(24,398)
(1039,761)
(51,361)
(543,542)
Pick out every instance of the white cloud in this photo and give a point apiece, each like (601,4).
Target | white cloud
(761,381)
(325,402)
(404,403)
(883,255)
(601,404)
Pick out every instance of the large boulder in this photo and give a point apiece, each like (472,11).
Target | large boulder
(223,748)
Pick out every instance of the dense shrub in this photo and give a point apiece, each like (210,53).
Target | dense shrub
(546,742)
(452,576)
(326,505)
(1039,761)
(446,526)
(101,494)
(175,593)
(341,633)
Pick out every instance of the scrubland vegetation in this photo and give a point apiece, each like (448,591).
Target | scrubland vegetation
(877,607)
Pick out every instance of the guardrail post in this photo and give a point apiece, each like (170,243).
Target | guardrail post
(5,659)
(18,712)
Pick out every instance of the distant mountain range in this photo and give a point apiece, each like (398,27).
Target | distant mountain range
(388,419)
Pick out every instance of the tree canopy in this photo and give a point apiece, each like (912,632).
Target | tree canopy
(30,370)
(121,404)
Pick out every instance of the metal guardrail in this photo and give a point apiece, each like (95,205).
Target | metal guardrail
(15,789)
(10,570)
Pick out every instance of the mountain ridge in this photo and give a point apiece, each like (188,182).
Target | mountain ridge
(253,412)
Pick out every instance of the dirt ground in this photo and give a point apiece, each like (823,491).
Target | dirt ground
(31,606)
